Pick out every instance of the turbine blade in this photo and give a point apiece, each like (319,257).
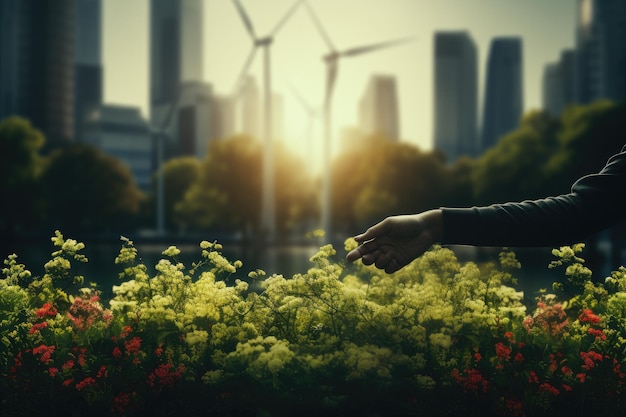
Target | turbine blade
(286,17)
(246,20)
(244,71)
(370,48)
(319,27)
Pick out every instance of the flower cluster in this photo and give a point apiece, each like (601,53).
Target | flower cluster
(439,337)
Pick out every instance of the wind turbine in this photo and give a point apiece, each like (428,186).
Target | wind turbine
(332,67)
(268,209)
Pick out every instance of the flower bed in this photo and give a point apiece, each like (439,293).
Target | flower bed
(438,338)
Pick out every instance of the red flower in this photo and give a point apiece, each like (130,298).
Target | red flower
(117,353)
(45,352)
(503,351)
(103,372)
(133,345)
(53,372)
(590,358)
(68,365)
(47,310)
(85,383)
(599,334)
(38,327)
(549,388)
(473,382)
(587,316)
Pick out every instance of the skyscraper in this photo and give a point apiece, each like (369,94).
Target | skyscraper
(503,94)
(455,94)
(249,98)
(37,71)
(88,70)
(378,108)
(176,57)
(600,70)
(122,132)
(222,117)
(558,83)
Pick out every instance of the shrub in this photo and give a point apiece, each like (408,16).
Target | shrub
(437,338)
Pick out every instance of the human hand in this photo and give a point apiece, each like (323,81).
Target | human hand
(396,241)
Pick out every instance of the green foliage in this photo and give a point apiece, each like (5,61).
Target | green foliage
(437,338)
(379,178)
(20,166)
(84,189)
(227,195)
(179,175)
(543,148)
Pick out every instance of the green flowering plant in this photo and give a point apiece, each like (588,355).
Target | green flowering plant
(439,337)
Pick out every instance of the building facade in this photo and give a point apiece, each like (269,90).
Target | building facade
(37,71)
(176,58)
(88,70)
(378,108)
(120,131)
(504,91)
(558,84)
(455,94)
(600,71)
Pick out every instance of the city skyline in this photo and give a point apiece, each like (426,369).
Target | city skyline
(546,29)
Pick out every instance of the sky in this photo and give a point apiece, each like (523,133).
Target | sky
(545,26)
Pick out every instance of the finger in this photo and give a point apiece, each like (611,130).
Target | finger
(392,266)
(354,254)
(383,260)
(370,258)
(378,229)
(364,249)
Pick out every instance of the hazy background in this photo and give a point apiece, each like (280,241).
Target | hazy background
(546,28)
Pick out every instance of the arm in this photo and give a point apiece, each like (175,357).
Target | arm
(595,202)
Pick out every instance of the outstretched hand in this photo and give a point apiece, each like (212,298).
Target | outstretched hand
(396,241)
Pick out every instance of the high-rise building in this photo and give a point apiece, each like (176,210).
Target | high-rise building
(194,119)
(455,94)
(600,70)
(222,117)
(249,98)
(378,108)
(120,131)
(558,83)
(88,70)
(176,57)
(37,71)
(503,93)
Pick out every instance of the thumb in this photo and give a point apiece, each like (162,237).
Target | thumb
(375,231)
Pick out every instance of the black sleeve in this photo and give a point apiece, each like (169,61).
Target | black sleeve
(595,202)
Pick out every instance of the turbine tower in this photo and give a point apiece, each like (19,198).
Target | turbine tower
(332,67)
(268,204)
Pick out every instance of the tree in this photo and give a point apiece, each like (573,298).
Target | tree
(380,178)
(20,166)
(86,190)
(515,168)
(227,196)
(179,175)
